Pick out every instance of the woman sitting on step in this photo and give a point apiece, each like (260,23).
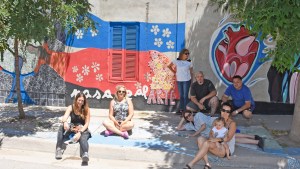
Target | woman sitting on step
(79,112)
(120,114)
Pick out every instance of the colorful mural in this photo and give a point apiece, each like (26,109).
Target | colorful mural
(92,64)
(235,52)
(134,54)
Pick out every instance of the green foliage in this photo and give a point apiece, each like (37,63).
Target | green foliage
(278,18)
(33,20)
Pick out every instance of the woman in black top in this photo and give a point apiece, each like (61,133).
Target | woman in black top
(79,113)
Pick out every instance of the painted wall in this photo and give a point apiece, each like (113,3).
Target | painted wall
(133,44)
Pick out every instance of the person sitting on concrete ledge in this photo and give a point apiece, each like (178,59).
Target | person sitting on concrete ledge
(79,112)
(120,114)
(241,97)
(203,95)
(198,122)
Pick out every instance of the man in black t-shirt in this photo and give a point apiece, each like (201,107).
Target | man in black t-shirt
(203,95)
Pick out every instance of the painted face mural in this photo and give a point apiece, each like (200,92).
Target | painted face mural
(235,52)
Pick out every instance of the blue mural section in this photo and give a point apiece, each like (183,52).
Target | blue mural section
(12,97)
(152,36)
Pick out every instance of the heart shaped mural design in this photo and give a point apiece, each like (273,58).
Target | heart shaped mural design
(235,52)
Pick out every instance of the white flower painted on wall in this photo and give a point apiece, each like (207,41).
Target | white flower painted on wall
(99,77)
(147,76)
(94,33)
(170,44)
(79,34)
(85,70)
(158,42)
(95,66)
(155,29)
(166,32)
(138,85)
(74,69)
(79,78)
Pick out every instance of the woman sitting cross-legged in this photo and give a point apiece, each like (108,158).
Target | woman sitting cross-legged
(120,114)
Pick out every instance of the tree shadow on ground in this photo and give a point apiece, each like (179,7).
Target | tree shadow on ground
(38,119)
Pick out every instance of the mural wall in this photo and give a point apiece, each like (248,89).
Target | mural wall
(135,51)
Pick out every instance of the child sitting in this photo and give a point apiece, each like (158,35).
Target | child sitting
(219,131)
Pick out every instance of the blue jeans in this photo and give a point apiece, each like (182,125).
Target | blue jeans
(183,88)
(83,140)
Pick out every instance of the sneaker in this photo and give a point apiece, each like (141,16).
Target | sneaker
(58,154)
(85,157)
(108,133)
(125,135)
(83,163)
(261,143)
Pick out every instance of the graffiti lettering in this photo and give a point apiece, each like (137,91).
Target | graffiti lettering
(75,92)
(153,99)
(141,92)
(87,93)
(97,95)
(107,94)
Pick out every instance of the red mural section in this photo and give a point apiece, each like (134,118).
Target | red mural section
(89,68)
(236,53)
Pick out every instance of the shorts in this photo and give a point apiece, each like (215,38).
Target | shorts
(195,107)
(249,109)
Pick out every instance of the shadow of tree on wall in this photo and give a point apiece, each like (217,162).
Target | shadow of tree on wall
(38,119)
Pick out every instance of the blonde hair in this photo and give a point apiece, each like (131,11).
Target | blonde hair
(83,110)
(118,87)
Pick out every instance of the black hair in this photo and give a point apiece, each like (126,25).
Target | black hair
(237,77)
(227,104)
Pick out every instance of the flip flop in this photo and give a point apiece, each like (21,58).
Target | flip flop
(207,167)
(187,167)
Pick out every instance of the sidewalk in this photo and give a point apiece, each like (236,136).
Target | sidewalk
(155,144)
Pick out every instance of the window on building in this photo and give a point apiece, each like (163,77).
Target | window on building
(124,52)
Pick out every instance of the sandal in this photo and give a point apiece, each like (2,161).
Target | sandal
(207,166)
(187,167)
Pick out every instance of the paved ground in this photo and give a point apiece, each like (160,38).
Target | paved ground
(153,144)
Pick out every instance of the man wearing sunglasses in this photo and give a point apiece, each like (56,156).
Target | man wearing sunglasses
(241,97)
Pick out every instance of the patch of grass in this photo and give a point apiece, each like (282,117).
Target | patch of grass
(279,132)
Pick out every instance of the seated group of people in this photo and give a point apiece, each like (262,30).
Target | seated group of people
(204,96)
(119,122)
(218,140)
(218,134)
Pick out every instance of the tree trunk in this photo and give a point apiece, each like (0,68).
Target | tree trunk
(18,71)
(294,133)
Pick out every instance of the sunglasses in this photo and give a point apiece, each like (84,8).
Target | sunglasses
(120,91)
(186,53)
(226,111)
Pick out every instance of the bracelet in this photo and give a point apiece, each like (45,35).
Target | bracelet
(236,112)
